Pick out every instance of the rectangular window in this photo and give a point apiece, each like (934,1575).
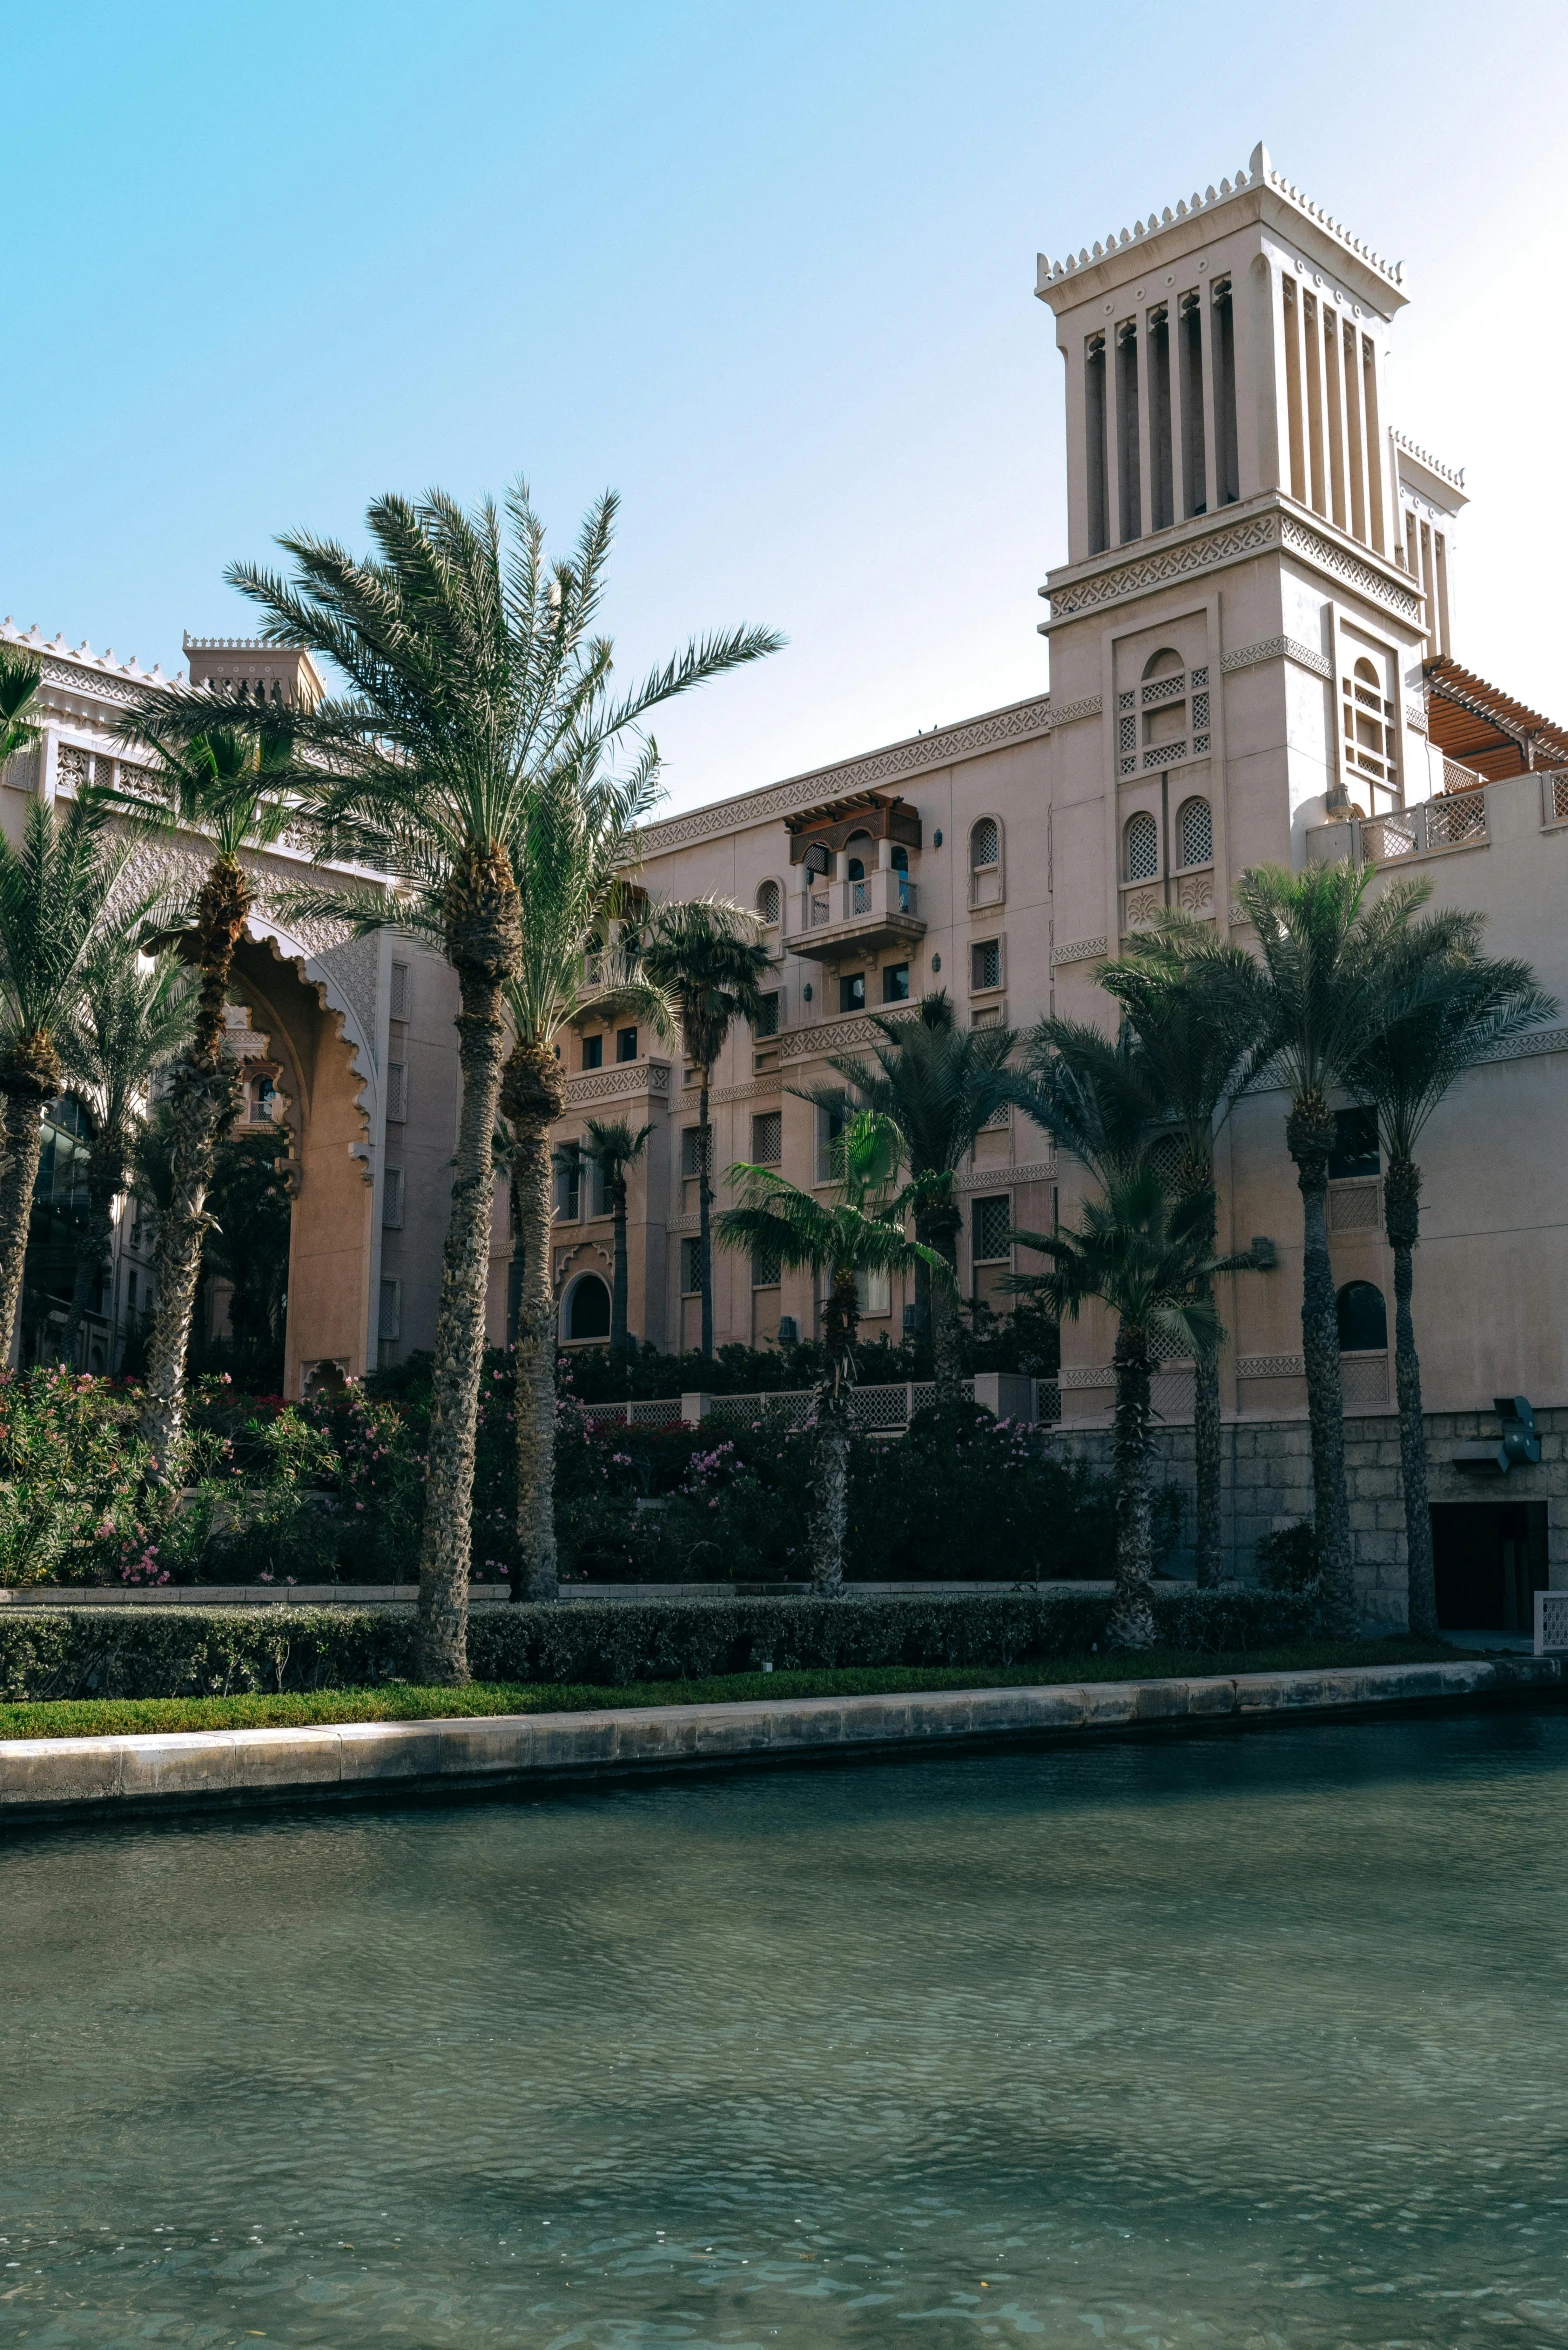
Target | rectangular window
(392,1199)
(568,1184)
(691,1152)
(985,964)
(875,1291)
(397,1092)
(767,1020)
(767,1138)
(593,1052)
(264,1101)
(691,1267)
(626,1044)
(600,1202)
(400,991)
(852,992)
(895,983)
(993,1220)
(764,1270)
(1355,1144)
(389,1320)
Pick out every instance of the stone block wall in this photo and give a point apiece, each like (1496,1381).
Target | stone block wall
(1266,1482)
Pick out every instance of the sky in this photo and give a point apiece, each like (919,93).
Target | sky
(768,272)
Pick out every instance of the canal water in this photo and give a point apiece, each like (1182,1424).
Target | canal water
(1256,2040)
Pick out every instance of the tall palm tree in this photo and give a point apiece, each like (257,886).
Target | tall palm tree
(706,956)
(862,1232)
(136,1012)
(1457,1005)
(20,677)
(474,679)
(610,1145)
(571,851)
(1325,984)
(57,897)
(1196,1046)
(939,1084)
(1144,1254)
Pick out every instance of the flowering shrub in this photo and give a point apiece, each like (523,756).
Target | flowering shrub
(70,1472)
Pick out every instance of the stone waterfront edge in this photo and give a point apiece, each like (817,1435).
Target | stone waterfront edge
(57,1778)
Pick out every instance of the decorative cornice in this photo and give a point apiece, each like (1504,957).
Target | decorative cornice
(1298,538)
(1070,712)
(1088,1375)
(837,1036)
(618,1084)
(915,755)
(984,1178)
(1528,1047)
(1277,648)
(1216,544)
(1416,717)
(80,668)
(768,1083)
(1077,950)
(1454,475)
(1271,1366)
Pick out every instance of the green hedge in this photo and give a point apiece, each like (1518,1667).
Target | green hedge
(194,1651)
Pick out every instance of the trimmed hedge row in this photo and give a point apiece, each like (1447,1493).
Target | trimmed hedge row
(183,1652)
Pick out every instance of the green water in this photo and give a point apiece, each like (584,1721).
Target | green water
(1254,2040)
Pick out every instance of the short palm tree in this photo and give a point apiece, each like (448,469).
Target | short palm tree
(58,892)
(1145,1255)
(474,679)
(939,1084)
(1324,985)
(217,773)
(1196,1046)
(1457,1005)
(136,1012)
(610,1145)
(704,953)
(570,850)
(862,1232)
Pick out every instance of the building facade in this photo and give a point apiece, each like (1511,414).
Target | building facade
(1252,659)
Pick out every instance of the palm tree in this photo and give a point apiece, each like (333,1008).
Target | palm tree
(861,1233)
(1457,1005)
(135,1014)
(706,956)
(939,1084)
(1146,1256)
(570,851)
(217,771)
(612,1147)
(474,681)
(1195,1048)
(1324,987)
(20,677)
(56,899)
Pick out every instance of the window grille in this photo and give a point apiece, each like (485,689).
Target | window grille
(768,903)
(1165,754)
(691,1151)
(1195,832)
(993,1220)
(1165,689)
(397,1091)
(767,1020)
(691,1267)
(767,1138)
(389,1320)
(392,1199)
(985,964)
(765,1270)
(400,991)
(1141,847)
(985,844)
(1370,732)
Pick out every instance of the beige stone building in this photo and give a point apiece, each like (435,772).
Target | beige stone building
(1255,654)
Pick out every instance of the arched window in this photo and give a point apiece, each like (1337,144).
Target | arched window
(768,904)
(1164,663)
(985,844)
(855,867)
(900,858)
(1363,1319)
(588,1308)
(1195,832)
(1141,847)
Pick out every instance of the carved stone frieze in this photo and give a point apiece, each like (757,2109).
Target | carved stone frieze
(1078,950)
(1277,648)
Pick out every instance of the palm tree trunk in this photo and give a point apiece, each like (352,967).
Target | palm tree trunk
(24,1089)
(938,1228)
(533,1097)
(1402,1221)
(201,1104)
(830,1503)
(1132,1613)
(104,1184)
(441,1634)
(1206,1432)
(705,1212)
(1309,1135)
(619,1343)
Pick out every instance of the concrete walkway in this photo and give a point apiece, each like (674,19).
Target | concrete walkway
(68,1778)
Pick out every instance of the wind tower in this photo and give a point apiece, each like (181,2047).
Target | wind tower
(1257,563)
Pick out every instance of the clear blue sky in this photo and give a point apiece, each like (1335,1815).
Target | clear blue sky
(768,271)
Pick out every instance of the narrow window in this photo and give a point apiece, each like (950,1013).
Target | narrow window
(1374,441)
(588,1309)
(1358,503)
(1355,1151)
(400,991)
(397,1091)
(389,1319)
(767,1020)
(852,992)
(830,1125)
(1195,457)
(895,983)
(1131,518)
(765,1269)
(392,1199)
(1363,1319)
(593,1052)
(985,863)
(626,1044)
(1227,462)
(768,904)
(985,964)
(691,1267)
(1162,483)
(1094,439)
(691,1153)
(767,1138)
(1195,832)
(568,1183)
(1336,419)
(1141,847)
(1298,469)
(993,1221)
(264,1101)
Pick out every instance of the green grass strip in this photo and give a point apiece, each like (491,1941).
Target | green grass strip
(402,1701)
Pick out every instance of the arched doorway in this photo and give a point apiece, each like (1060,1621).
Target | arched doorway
(587,1313)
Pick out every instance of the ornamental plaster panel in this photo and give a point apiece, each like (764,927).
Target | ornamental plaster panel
(618,1084)
(1205,553)
(838,1036)
(1071,712)
(1278,648)
(1298,539)
(986,1178)
(1088,1375)
(1078,950)
(1271,1366)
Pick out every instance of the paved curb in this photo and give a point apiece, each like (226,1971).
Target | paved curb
(65,1778)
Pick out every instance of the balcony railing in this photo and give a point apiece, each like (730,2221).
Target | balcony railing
(1454,820)
(882,905)
(887,1409)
